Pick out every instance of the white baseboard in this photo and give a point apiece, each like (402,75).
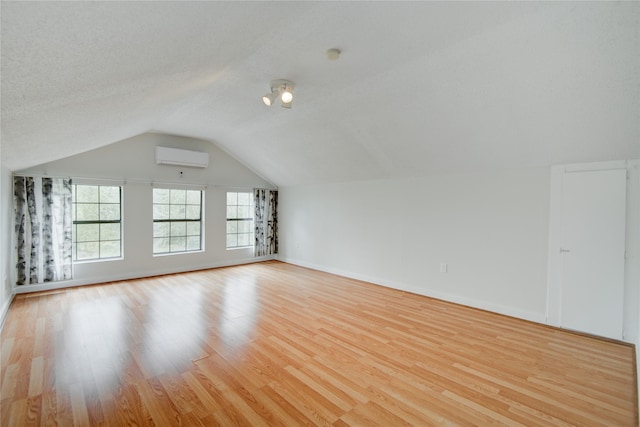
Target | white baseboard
(135,275)
(5,310)
(637,347)
(470,302)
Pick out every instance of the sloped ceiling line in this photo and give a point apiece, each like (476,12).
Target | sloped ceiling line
(422,87)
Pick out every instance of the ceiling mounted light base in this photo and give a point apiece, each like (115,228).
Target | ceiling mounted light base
(280,89)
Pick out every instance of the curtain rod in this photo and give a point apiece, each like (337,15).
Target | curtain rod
(124,181)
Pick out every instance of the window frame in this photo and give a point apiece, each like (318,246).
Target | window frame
(75,222)
(251,233)
(171,221)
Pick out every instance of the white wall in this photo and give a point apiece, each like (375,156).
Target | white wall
(6,198)
(133,161)
(490,228)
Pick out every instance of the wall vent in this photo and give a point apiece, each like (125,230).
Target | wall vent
(178,157)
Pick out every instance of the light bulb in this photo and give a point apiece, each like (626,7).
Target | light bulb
(287,96)
(270,98)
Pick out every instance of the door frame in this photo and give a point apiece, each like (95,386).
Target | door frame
(554,268)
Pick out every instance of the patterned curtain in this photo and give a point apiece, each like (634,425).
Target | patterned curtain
(43,223)
(272,223)
(266,222)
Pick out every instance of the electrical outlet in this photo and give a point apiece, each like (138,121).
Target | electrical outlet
(443,267)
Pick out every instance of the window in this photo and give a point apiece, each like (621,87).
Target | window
(177,220)
(97,227)
(239,220)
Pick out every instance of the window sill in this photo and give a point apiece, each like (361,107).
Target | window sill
(88,261)
(178,253)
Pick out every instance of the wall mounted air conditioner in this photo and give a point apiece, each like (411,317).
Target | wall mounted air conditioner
(178,157)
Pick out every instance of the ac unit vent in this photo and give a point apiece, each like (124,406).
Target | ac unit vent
(178,157)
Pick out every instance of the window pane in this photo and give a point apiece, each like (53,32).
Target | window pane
(244,212)
(87,212)
(240,207)
(178,244)
(160,195)
(92,238)
(109,212)
(87,250)
(178,228)
(178,206)
(243,198)
(74,233)
(193,229)
(88,233)
(193,197)
(178,197)
(110,249)
(161,229)
(243,240)
(177,212)
(110,194)
(193,212)
(193,243)
(160,245)
(87,193)
(245,226)
(109,231)
(160,211)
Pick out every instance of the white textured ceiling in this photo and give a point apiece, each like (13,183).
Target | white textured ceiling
(421,87)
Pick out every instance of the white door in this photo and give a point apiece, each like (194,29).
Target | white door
(593,250)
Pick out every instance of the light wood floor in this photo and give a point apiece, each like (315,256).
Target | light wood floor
(274,344)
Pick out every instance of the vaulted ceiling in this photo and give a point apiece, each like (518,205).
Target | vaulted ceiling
(420,87)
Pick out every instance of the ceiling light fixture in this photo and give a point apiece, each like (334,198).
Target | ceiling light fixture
(280,89)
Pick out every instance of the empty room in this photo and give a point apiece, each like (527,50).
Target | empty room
(319,213)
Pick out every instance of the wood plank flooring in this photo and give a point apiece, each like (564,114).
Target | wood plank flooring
(274,344)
